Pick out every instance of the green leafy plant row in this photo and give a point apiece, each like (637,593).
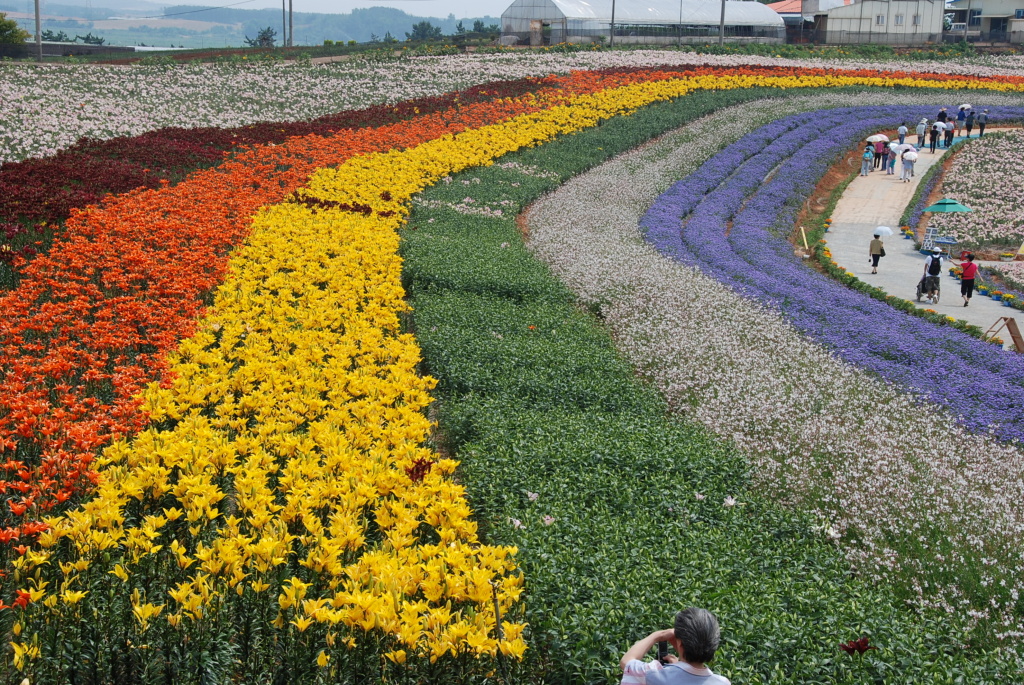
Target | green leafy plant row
(622,513)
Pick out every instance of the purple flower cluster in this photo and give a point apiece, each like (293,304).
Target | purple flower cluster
(731,218)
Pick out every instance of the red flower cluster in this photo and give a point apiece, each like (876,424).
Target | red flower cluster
(859,646)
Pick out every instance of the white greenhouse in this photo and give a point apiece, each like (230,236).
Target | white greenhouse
(665,22)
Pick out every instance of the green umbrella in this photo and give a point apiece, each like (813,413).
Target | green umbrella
(947,205)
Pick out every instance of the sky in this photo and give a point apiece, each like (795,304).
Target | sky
(420,8)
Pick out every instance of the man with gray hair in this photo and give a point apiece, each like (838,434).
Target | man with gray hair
(695,638)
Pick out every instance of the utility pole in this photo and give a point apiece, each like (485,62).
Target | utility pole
(39,35)
(967,22)
(611,36)
(291,25)
(721,26)
(284,24)
(680,23)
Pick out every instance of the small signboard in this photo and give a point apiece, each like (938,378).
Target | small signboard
(933,240)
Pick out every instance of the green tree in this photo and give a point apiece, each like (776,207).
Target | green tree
(460,29)
(90,39)
(424,30)
(59,37)
(10,32)
(478,26)
(264,39)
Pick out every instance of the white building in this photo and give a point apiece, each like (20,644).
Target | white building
(997,21)
(666,22)
(889,22)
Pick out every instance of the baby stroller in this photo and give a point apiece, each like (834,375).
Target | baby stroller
(921,289)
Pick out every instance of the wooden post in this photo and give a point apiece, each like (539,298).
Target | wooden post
(804,234)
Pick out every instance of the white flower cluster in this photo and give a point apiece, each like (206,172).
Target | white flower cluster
(912,498)
(985,176)
(1013,273)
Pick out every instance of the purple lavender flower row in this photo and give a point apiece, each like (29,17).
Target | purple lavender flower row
(730,218)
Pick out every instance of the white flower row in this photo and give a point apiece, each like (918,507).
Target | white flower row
(47,108)
(1013,273)
(913,498)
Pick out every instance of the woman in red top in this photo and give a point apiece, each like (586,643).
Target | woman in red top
(967,277)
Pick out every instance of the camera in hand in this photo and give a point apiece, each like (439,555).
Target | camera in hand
(663,652)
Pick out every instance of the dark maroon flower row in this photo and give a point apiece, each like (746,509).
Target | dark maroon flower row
(37,195)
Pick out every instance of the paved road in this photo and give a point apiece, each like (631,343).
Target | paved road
(879,200)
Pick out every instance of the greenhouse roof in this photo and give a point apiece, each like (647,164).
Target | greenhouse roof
(737,12)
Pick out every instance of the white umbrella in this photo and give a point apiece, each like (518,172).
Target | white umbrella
(965,106)
(900,147)
(877,137)
(912,156)
(883,230)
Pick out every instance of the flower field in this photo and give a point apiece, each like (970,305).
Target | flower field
(218,461)
(46,109)
(981,177)
(796,412)
(1013,273)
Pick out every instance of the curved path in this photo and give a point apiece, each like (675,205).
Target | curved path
(879,200)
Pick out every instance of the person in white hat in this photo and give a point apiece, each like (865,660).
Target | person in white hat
(932,271)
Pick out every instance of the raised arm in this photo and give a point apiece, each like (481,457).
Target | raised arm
(641,647)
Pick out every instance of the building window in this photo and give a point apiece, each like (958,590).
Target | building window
(880,19)
(975,18)
(916,21)
(899,20)
(1018,14)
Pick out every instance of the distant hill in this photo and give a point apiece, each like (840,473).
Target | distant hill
(124,22)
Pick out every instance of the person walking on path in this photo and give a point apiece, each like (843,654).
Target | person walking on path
(922,129)
(932,271)
(982,120)
(938,128)
(890,169)
(865,160)
(876,250)
(908,167)
(969,122)
(942,115)
(970,272)
(950,126)
(902,132)
(961,117)
(880,152)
